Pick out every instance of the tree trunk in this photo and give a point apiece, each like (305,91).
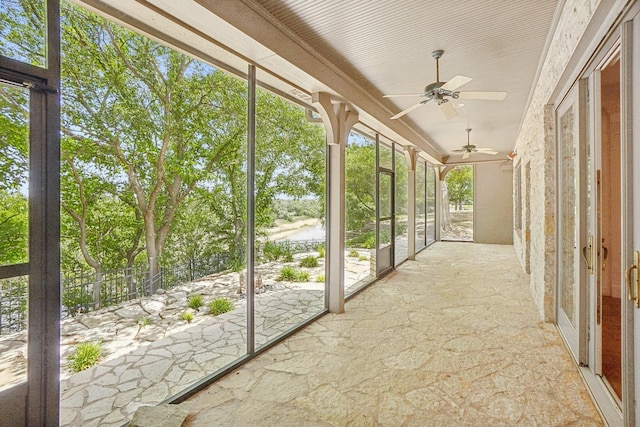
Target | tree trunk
(445,211)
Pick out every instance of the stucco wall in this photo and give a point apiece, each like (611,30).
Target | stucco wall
(535,144)
(492,204)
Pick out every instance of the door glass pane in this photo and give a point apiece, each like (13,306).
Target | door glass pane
(360,211)
(401,208)
(385,234)
(22,31)
(386,189)
(612,276)
(569,213)
(386,156)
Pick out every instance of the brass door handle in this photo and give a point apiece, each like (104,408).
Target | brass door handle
(633,286)
(587,254)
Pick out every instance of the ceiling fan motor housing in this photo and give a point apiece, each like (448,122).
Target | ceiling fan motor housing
(435,91)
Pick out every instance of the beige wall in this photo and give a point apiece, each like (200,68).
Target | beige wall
(492,204)
(536,145)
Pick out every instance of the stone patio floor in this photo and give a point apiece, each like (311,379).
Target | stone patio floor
(450,339)
(171,355)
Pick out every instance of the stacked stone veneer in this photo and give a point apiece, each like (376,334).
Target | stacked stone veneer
(536,145)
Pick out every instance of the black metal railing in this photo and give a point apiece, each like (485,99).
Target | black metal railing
(84,291)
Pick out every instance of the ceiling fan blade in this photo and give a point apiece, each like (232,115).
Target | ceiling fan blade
(408,110)
(466,155)
(458,151)
(456,82)
(490,96)
(487,151)
(448,110)
(403,94)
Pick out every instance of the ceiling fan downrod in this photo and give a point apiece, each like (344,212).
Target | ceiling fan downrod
(436,55)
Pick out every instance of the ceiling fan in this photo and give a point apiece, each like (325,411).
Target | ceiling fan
(442,91)
(466,150)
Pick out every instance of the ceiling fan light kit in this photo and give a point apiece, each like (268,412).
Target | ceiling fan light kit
(440,92)
(466,150)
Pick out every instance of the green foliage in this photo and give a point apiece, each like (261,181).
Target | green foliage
(287,274)
(195,302)
(360,181)
(237,264)
(187,316)
(365,240)
(459,183)
(86,354)
(272,251)
(309,262)
(363,258)
(76,298)
(13,227)
(290,274)
(302,276)
(320,278)
(219,306)
(288,256)
(321,250)
(153,153)
(353,253)
(301,208)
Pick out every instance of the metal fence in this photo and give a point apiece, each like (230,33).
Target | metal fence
(84,291)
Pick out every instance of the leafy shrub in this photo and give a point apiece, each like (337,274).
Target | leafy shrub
(219,306)
(187,316)
(321,251)
(320,278)
(195,302)
(287,274)
(86,355)
(309,262)
(363,258)
(76,299)
(272,251)
(236,264)
(302,276)
(354,253)
(288,257)
(369,243)
(290,274)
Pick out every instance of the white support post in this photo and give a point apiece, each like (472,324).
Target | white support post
(338,118)
(411,154)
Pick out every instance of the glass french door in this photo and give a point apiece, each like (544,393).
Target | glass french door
(608,239)
(385,212)
(385,222)
(572,196)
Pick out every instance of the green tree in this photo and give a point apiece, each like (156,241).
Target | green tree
(460,185)
(360,183)
(13,228)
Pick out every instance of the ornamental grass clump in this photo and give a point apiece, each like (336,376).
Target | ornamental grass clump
(309,262)
(219,306)
(195,302)
(187,316)
(86,355)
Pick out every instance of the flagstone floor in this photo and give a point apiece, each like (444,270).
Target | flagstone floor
(450,339)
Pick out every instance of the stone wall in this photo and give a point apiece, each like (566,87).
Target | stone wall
(536,145)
